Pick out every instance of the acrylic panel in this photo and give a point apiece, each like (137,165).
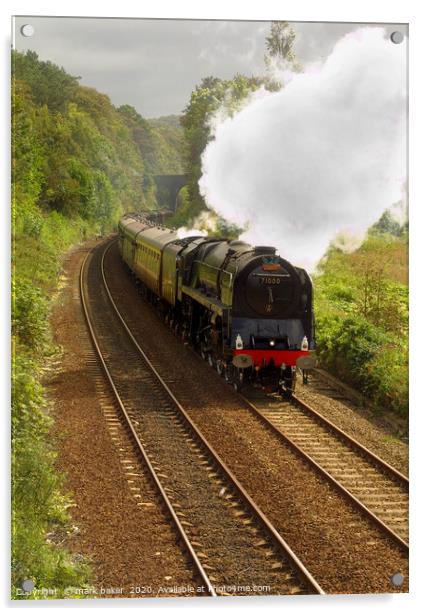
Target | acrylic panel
(210,308)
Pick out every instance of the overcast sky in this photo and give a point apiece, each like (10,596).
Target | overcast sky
(155,64)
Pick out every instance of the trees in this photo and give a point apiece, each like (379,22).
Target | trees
(215,96)
(49,84)
(280,43)
(280,54)
(160,144)
(73,153)
(210,97)
(75,167)
(388,224)
(361,308)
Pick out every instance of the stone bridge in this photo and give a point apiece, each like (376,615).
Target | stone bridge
(168,188)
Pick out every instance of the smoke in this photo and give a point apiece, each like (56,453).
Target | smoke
(399,211)
(324,155)
(347,242)
(203,224)
(189,232)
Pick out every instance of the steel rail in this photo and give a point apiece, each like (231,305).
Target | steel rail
(140,447)
(352,443)
(344,436)
(335,483)
(297,564)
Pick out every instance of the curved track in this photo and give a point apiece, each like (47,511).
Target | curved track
(227,536)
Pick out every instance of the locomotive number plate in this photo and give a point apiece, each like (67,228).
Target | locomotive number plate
(268,280)
(271,279)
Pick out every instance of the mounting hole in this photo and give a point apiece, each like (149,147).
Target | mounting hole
(27,30)
(27,585)
(397,37)
(397,579)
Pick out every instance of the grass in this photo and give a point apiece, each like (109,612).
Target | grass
(41,522)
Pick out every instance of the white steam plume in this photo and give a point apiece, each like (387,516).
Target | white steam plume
(326,154)
(202,225)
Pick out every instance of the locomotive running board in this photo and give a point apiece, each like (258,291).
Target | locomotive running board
(212,305)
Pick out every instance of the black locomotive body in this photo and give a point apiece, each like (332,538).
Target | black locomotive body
(247,310)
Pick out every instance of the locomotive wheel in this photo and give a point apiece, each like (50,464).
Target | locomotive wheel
(236,378)
(219,367)
(210,359)
(237,385)
(287,394)
(288,389)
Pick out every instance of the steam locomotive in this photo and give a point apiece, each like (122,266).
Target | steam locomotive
(247,310)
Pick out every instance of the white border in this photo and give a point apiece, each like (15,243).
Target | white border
(401,11)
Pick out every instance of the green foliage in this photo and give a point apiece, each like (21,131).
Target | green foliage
(169,129)
(208,98)
(362,318)
(388,224)
(39,516)
(171,122)
(29,314)
(280,45)
(280,54)
(76,165)
(49,84)
(39,509)
(73,151)
(159,143)
(225,97)
(227,229)
(183,212)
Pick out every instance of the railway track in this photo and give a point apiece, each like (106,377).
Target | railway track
(375,488)
(312,526)
(372,486)
(234,547)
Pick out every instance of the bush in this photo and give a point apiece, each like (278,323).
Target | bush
(76,167)
(363,356)
(361,305)
(29,314)
(39,510)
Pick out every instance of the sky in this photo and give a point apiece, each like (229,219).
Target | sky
(154,65)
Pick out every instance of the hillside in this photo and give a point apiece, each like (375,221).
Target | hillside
(77,164)
(170,129)
(160,141)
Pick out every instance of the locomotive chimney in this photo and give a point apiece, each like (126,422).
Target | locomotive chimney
(264,250)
